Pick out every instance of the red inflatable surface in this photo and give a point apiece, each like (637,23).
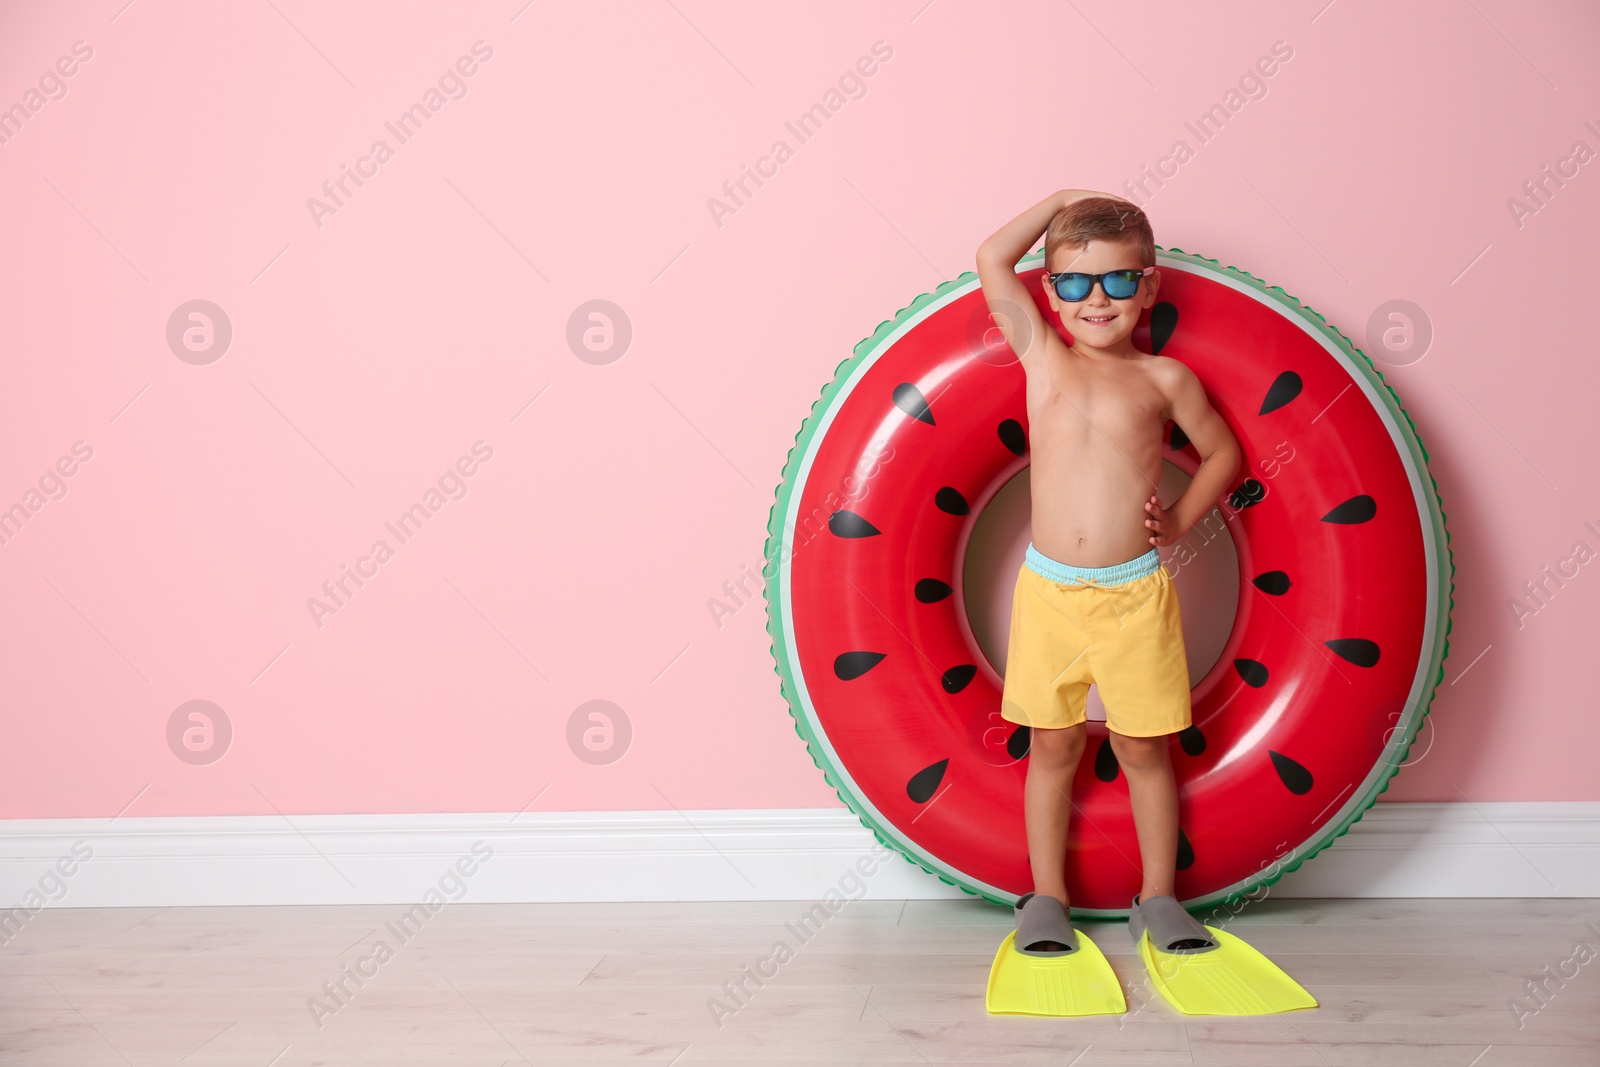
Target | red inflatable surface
(1334,646)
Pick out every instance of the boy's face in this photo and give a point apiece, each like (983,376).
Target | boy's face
(1097,320)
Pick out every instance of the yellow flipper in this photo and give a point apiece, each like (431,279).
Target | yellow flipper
(1080,984)
(1233,979)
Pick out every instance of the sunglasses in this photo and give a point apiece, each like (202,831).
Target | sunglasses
(1117,284)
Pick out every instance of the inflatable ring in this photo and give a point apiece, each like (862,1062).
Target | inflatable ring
(1340,629)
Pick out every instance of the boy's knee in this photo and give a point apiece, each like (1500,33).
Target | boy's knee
(1139,753)
(1057,745)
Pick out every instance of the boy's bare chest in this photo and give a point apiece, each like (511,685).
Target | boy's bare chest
(1122,404)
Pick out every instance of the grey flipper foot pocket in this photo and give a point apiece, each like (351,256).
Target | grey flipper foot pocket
(1043,928)
(1172,930)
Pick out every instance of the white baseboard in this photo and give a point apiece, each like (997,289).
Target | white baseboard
(1397,850)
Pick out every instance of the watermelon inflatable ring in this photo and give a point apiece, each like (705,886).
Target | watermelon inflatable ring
(1339,635)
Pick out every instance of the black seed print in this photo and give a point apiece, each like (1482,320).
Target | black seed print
(1105,762)
(1355,510)
(909,399)
(1019,741)
(843,523)
(1357,650)
(1275,582)
(1294,776)
(950,501)
(931,590)
(1253,673)
(925,782)
(1248,495)
(1285,387)
(1185,852)
(1013,436)
(1163,321)
(1192,741)
(955,679)
(849,666)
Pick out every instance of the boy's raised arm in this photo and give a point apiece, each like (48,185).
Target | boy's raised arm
(1012,309)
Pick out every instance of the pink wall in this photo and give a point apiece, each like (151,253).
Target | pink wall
(373,347)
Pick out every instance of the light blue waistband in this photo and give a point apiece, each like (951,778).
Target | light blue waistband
(1116,574)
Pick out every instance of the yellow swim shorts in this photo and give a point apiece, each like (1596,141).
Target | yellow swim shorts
(1117,627)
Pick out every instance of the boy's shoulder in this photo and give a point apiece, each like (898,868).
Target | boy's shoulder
(1169,372)
(1172,378)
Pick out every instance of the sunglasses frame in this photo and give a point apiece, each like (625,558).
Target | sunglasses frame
(1096,279)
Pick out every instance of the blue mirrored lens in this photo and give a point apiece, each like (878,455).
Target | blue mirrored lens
(1074,286)
(1121,284)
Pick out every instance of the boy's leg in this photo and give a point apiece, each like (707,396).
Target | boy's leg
(1153,795)
(1047,804)
(1143,675)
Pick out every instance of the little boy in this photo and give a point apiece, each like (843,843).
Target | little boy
(1093,603)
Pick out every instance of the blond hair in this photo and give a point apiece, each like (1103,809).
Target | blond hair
(1100,218)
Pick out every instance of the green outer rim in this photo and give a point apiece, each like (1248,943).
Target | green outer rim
(773,548)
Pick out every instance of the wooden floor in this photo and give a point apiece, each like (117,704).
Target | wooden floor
(1401,982)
